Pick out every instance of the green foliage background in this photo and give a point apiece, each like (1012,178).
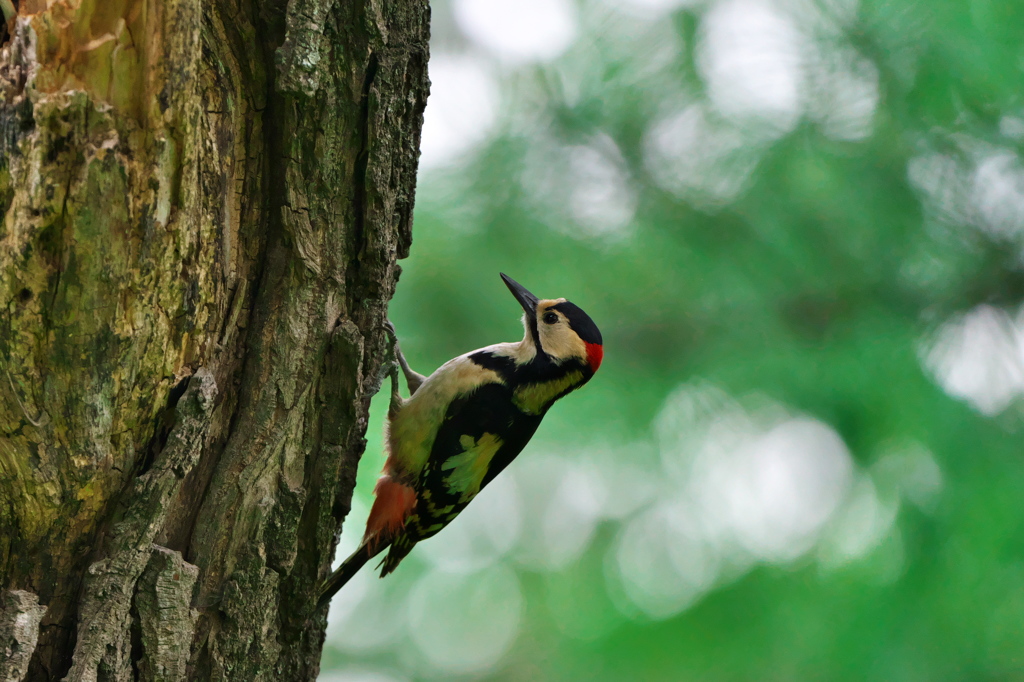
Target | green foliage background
(821,287)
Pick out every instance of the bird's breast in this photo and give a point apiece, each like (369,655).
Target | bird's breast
(534,398)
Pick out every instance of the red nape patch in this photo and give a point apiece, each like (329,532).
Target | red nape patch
(394,501)
(595,353)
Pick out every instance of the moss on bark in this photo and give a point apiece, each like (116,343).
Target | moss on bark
(216,190)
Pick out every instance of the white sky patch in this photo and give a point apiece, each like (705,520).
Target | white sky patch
(979,357)
(445,620)
(750,55)
(462,108)
(519,31)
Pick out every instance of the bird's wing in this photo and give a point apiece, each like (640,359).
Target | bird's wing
(476,426)
(469,441)
(482,432)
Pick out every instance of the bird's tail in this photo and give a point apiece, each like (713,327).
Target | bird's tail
(344,573)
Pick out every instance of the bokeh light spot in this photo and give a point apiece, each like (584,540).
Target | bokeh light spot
(519,30)
(463,623)
(461,110)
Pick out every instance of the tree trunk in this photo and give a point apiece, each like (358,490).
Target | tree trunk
(203,206)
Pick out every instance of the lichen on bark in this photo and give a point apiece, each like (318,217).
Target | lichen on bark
(194,195)
(20,613)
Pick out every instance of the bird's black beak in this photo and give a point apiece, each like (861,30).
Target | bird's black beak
(525,298)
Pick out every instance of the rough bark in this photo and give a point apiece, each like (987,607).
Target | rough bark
(203,204)
(20,614)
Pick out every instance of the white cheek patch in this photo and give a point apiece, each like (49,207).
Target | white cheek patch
(560,341)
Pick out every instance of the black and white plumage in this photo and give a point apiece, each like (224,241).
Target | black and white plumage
(466,422)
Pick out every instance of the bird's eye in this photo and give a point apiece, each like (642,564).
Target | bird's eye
(550,318)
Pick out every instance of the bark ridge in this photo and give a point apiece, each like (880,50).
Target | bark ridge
(203,205)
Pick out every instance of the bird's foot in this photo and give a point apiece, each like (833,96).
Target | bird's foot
(412,379)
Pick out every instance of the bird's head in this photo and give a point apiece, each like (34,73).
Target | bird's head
(558,328)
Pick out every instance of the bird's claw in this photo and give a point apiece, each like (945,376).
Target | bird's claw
(412,379)
(392,342)
(389,329)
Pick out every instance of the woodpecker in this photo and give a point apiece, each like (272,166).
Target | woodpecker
(466,422)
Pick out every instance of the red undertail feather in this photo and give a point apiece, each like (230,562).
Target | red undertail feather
(392,506)
(595,353)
